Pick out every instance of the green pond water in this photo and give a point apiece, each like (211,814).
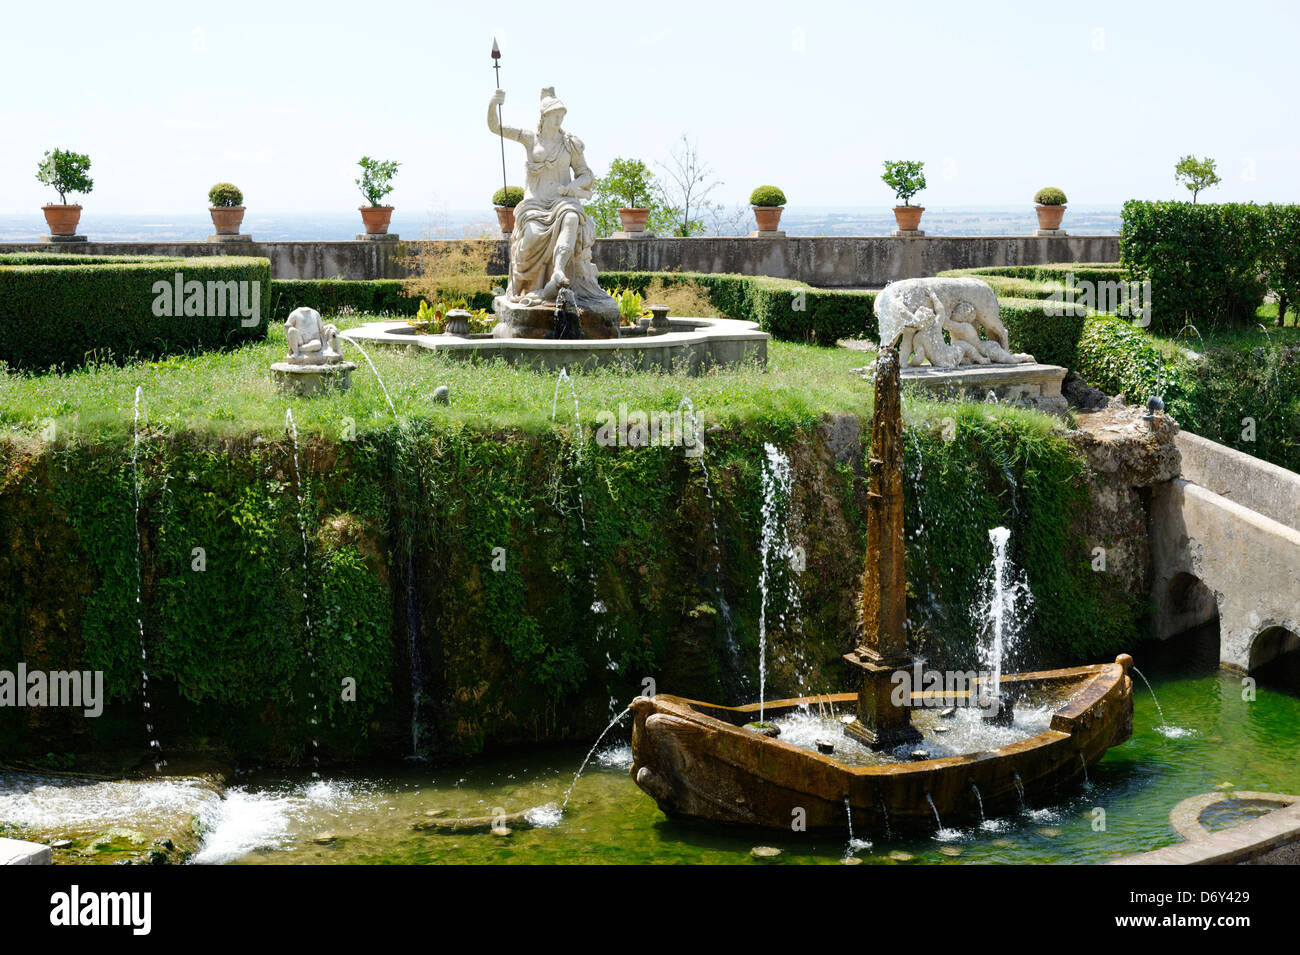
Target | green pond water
(1213,739)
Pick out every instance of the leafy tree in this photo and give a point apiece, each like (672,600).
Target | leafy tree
(67,172)
(905,177)
(376,178)
(1196,174)
(629,184)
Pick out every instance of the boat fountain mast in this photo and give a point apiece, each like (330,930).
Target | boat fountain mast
(882,652)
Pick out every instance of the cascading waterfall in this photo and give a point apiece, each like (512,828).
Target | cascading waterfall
(415,659)
(1005,601)
(155,747)
(687,407)
(777,487)
(980,801)
(1020,789)
(308,639)
(854,843)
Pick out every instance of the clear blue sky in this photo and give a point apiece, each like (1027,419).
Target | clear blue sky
(997,98)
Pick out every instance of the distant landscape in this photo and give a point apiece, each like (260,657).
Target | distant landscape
(336,226)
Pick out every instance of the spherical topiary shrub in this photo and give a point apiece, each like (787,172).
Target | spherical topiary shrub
(509,196)
(225,194)
(1050,196)
(767,196)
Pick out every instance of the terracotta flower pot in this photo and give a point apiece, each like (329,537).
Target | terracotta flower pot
(768,217)
(376,219)
(1049,217)
(506,217)
(633,219)
(62,219)
(908,217)
(226,219)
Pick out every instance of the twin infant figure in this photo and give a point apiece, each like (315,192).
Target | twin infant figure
(919,311)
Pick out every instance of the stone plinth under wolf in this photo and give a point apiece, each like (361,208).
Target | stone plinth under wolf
(314,363)
(551,245)
(917,312)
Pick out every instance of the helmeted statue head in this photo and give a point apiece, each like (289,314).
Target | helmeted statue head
(551,103)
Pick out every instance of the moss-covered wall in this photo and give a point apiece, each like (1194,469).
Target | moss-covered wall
(606,576)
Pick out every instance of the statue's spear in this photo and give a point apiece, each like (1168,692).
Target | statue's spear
(501,132)
(496,65)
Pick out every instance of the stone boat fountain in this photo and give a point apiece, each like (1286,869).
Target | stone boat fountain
(889,758)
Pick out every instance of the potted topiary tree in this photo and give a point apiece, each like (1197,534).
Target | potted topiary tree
(376,182)
(768,203)
(505,199)
(629,180)
(65,172)
(1050,206)
(226,206)
(906,178)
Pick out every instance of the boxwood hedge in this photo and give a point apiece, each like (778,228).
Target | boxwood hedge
(63,310)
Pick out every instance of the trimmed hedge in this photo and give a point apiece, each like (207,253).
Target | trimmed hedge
(1049,331)
(1209,265)
(1041,281)
(375,297)
(786,309)
(64,310)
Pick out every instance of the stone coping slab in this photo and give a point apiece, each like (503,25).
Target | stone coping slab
(19,852)
(1036,385)
(699,343)
(1273,838)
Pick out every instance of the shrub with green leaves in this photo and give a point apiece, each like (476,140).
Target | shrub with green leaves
(376,178)
(1205,263)
(65,172)
(905,177)
(508,196)
(1050,196)
(225,194)
(108,308)
(767,196)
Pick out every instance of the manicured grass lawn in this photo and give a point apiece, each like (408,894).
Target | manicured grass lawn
(230,392)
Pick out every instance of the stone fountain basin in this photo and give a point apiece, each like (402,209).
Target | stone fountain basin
(694,344)
(697,759)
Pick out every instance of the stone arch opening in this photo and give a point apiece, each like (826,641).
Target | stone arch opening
(1275,658)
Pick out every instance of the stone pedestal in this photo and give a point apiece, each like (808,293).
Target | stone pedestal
(908,233)
(230,237)
(377,237)
(63,238)
(538,321)
(1050,232)
(760,234)
(308,380)
(632,235)
(1036,385)
(880,724)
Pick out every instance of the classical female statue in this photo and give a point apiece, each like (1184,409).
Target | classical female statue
(550,248)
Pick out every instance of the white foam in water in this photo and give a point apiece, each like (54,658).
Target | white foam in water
(1175,732)
(544,817)
(52,804)
(245,821)
(615,757)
